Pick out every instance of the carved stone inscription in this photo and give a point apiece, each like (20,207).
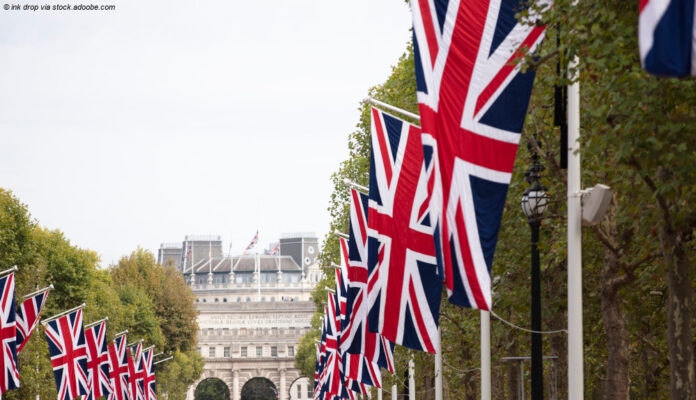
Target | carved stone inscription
(266,320)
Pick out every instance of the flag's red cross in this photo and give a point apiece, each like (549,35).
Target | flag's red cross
(95,359)
(70,354)
(135,376)
(397,227)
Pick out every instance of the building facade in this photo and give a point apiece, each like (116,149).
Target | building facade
(253,310)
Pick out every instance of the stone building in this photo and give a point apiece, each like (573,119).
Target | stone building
(253,310)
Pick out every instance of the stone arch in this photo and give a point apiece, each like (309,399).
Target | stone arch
(299,388)
(259,388)
(221,390)
(208,374)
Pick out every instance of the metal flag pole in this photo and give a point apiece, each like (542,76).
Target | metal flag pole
(438,365)
(378,103)
(485,355)
(47,288)
(163,360)
(7,271)
(96,322)
(341,234)
(47,320)
(136,342)
(120,334)
(575,350)
(411,379)
(356,186)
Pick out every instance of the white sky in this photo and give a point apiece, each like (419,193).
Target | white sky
(139,126)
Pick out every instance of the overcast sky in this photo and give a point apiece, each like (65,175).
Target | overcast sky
(160,119)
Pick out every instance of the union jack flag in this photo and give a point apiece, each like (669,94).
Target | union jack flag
(356,337)
(8,334)
(97,362)
(135,372)
(253,243)
(404,253)
(28,317)
(473,100)
(149,380)
(68,349)
(276,250)
(331,379)
(118,361)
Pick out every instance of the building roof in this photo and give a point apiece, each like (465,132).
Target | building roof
(246,264)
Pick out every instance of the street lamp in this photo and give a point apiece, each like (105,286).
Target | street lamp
(534,202)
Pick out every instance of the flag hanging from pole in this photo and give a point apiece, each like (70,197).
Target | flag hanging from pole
(28,317)
(473,100)
(68,349)
(404,303)
(135,372)
(118,362)
(253,242)
(8,335)
(149,380)
(97,362)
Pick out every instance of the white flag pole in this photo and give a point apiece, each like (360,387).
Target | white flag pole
(392,108)
(411,379)
(46,289)
(96,322)
(575,349)
(485,355)
(47,320)
(438,366)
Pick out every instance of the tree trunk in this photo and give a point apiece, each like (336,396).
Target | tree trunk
(617,380)
(679,317)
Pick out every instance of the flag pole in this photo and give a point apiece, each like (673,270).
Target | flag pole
(340,234)
(378,103)
(438,366)
(120,334)
(96,322)
(7,271)
(361,188)
(47,288)
(47,320)
(163,360)
(575,349)
(411,379)
(485,355)
(136,342)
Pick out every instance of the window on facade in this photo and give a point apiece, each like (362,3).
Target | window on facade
(248,299)
(272,299)
(217,300)
(204,300)
(239,299)
(263,299)
(224,300)
(226,352)
(259,349)
(244,351)
(274,351)
(291,351)
(211,352)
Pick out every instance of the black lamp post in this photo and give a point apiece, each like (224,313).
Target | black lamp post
(534,202)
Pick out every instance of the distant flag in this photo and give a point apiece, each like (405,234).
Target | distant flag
(252,243)
(97,362)
(68,349)
(28,317)
(8,335)
(118,362)
(473,99)
(276,250)
(667,37)
(405,300)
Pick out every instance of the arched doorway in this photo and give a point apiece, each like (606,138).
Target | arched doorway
(259,389)
(212,389)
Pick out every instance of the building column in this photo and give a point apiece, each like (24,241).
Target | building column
(235,385)
(283,395)
(190,391)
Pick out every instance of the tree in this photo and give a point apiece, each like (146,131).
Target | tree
(212,389)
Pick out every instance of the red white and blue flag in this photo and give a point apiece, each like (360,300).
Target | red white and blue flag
(8,335)
(28,317)
(135,372)
(118,371)
(276,250)
(473,101)
(405,301)
(97,362)
(252,243)
(149,380)
(68,349)
(667,37)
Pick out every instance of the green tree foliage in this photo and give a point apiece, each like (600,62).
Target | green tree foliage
(212,389)
(140,305)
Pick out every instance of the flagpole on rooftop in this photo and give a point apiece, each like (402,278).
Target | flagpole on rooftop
(575,349)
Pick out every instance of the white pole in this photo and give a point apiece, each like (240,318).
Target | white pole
(258,277)
(379,393)
(438,366)
(395,394)
(411,379)
(575,350)
(485,355)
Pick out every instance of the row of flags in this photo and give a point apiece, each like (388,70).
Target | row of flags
(436,193)
(84,366)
